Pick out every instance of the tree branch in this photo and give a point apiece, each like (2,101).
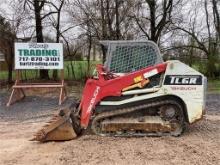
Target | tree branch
(46,15)
(201,45)
(142,29)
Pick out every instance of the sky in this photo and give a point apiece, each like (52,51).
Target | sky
(7,11)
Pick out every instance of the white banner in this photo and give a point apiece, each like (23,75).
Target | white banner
(38,56)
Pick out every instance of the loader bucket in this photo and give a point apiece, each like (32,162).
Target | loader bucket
(59,128)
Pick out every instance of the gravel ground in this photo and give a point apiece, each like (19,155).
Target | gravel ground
(32,107)
(213,104)
(200,144)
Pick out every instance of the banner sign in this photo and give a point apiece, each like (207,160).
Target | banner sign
(38,56)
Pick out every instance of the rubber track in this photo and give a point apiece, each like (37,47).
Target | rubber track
(122,111)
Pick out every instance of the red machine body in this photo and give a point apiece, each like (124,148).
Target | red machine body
(96,89)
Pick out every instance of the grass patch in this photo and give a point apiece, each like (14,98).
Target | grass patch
(77,70)
(73,70)
(214,86)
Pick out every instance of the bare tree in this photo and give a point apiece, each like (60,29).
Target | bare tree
(203,34)
(153,17)
(216,14)
(56,8)
(105,20)
(37,6)
(8,36)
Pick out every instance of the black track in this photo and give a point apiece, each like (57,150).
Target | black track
(178,123)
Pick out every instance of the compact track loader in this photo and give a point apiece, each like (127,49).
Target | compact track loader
(134,94)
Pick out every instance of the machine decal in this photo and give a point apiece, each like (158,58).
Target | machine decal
(183,80)
(138,79)
(183,88)
(150,73)
(93,98)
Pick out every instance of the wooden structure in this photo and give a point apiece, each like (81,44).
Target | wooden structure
(18,88)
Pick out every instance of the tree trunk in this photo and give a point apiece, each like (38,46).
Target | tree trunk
(58,33)
(10,69)
(104,30)
(94,52)
(103,54)
(216,15)
(89,52)
(152,6)
(118,33)
(10,60)
(72,68)
(39,32)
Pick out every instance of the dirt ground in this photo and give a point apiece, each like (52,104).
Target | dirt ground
(200,144)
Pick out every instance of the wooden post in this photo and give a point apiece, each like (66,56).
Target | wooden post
(63,94)
(17,93)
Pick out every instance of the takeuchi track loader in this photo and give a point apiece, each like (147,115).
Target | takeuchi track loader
(134,94)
